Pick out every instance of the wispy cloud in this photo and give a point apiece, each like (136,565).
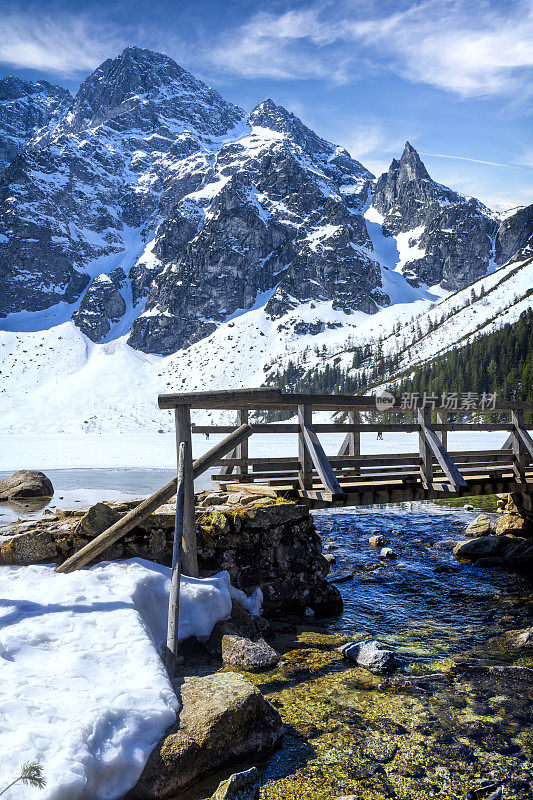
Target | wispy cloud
(470,48)
(63,43)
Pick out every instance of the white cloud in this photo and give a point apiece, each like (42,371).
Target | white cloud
(64,44)
(471,48)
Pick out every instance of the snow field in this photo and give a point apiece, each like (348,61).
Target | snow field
(84,690)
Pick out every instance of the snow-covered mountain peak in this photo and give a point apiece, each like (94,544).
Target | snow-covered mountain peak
(141,88)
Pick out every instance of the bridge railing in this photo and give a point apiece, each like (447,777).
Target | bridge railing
(313,474)
(431,463)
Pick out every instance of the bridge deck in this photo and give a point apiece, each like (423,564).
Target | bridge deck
(387,489)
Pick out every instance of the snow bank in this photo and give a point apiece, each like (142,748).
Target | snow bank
(83,688)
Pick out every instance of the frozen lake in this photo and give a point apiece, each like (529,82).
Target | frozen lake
(85,468)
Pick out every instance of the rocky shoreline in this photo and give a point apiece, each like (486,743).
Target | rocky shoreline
(509,543)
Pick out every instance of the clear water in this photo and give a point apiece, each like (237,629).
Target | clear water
(437,729)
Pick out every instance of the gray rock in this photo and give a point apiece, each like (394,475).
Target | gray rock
(479,527)
(239,642)
(468,507)
(377,541)
(371,655)
(456,233)
(240,786)
(223,718)
(25,484)
(330,558)
(101,307)
(98,519)
(387,552)
(514,233)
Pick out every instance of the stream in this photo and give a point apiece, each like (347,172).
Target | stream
(445,722)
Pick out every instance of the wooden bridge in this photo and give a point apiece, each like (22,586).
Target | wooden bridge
(350,477)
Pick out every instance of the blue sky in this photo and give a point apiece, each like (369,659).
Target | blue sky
(452,76)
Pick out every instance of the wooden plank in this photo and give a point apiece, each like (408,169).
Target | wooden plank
(305,416)
(443,459)
(525,440)
(442,416)
(517,420)
(189,548)
(227,398)
(143,510)
(320,460)
(426,459)
(242,448)
(331,427)
(171,653)
(265,397)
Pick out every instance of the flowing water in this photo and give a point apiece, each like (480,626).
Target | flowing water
(445,722)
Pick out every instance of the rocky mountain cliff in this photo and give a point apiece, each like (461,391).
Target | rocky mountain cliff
(151,206)
(25,107)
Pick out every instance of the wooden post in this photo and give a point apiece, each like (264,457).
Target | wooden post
(171,654)
(442,416)
(242,449)
(426,464)
(189,560)
(354,444)
(305,417)
(519,461)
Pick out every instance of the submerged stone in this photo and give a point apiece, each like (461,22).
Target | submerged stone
(372,655)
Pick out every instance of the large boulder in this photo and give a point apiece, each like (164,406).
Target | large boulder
(514,551)
(240,786)
(25,484)
(482,547)
(35,547)
(239,642)
(512,523)
(223,718)
(479,527)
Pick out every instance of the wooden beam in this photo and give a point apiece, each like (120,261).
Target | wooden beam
(265,397)
(305,417)
(426,461)
(134,517)
(228,398)
(444,459)
(171,653)
(242,448)
(442,416)
(189,548)
(517,420)
(320,460)
(525,440)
